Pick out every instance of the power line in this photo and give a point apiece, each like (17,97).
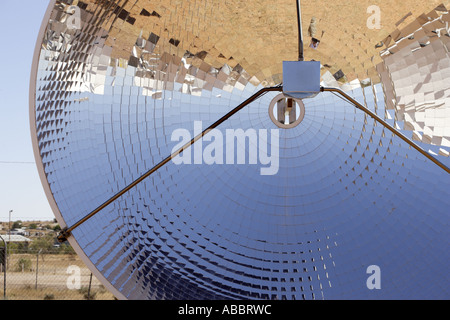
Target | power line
(17,162)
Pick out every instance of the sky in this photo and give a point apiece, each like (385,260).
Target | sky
(20,186)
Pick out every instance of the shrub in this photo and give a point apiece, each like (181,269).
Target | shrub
(49,296)
(24,264)
(85,290)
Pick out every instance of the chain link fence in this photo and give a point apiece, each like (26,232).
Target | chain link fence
(47,274)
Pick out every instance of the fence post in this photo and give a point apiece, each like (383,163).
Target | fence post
(37,268)
(4,268)
(89,288)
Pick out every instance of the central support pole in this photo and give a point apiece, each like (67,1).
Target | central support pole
(300,33)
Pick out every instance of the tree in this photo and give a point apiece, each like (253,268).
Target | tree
(45,243)
(33,226)
(66,248)
(17,224)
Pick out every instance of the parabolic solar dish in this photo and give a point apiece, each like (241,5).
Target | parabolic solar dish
(303,198)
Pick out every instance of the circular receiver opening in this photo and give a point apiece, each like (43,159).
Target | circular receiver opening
(286,112)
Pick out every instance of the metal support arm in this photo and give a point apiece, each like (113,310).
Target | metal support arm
(66,232)
(387,126)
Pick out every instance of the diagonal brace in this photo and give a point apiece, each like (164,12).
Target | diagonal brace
(386,125)
(66,232)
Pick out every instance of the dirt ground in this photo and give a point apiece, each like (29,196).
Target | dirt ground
(50,277)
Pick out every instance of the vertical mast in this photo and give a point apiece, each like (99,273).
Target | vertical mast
(300,33)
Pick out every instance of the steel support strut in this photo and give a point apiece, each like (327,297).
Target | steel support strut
(386,125)
(66,232)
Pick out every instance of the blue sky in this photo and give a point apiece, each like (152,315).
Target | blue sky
(20,187)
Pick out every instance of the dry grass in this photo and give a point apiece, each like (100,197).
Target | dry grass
(30,293)
(51,282)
